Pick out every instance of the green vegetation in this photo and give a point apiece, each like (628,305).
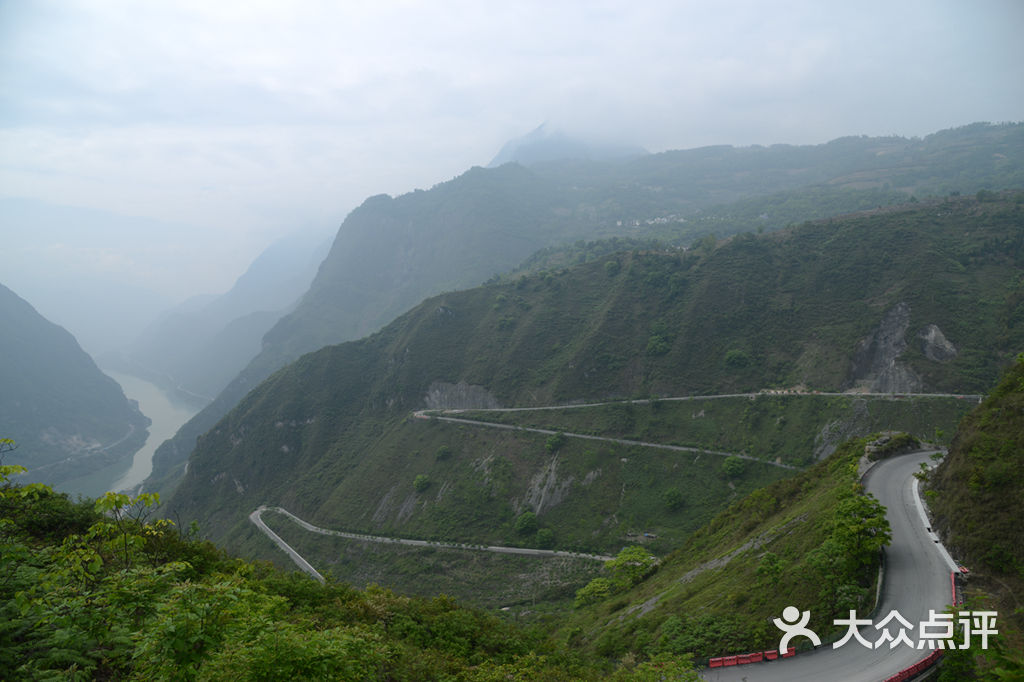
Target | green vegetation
(628,568)
(95,592)
(977,496)
(332,439)
(734,466)
(487,221)
(813,538)
(792,428)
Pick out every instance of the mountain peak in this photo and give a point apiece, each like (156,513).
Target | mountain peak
(548,144)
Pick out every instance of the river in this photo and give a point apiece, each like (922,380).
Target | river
(167,417)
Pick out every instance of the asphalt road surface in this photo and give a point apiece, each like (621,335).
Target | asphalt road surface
(917,579)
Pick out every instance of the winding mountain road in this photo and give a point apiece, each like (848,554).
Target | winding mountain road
(917,567)
(917,578)
(451,415)
(446,417)
(256,518)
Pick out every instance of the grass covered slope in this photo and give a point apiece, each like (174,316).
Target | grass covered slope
(977,496)
(979,489)
(795,541)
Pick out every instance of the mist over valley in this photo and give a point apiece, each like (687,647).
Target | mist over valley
(371,343)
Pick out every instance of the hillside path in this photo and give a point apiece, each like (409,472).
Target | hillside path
(423,414)
(451,415)
(256,518)
(917,578)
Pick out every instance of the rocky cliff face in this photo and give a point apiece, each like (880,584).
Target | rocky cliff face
(876,365)
(460,396)
(935,345)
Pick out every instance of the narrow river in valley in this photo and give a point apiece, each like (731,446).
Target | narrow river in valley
(167,416)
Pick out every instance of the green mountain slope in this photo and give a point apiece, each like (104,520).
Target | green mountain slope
(718,591)
(68,418)
(930,293)
(390,253)
(977,496)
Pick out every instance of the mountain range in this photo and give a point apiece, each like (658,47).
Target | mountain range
(390,253)
(195,349)
(923,298)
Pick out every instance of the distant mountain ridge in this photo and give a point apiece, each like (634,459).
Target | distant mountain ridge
(67,417)
(543,145)
(330,435)
(391,253)
(200,346)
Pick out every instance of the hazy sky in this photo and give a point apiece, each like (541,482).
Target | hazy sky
(246,119)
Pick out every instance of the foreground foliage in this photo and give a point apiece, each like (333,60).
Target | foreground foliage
(95,591)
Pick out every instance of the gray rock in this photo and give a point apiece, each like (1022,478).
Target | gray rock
(935,345)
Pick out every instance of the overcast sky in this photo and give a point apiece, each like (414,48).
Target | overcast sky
(246,119)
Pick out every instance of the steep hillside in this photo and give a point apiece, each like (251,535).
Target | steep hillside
(930,294)
(717,593)
(977,495)
(67,417)
(390,253)
(651,473)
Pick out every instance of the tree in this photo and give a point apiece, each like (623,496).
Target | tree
(733,466)
(737,359)
(831,568)
(555,442)
(526,523)
(673,499)
(545,538)
(770,569)
(421,483)
(594,591)
(631,565)
(860,527)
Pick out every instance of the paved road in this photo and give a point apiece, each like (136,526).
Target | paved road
(428,414)
(256,515)
(716,396)
(450,415)
(917,579)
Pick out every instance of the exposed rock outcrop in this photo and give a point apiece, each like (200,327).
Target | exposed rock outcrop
(460,396)
(935,345)
(876,367)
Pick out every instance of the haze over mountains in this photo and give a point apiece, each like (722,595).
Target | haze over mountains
(199,346)
(801,307)
(67,417)
(390,253)
(535,341)
(715,324)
